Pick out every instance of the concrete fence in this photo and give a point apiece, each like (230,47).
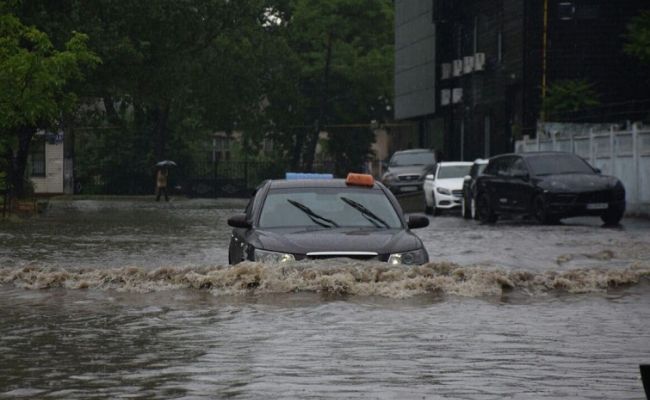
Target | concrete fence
(624,154)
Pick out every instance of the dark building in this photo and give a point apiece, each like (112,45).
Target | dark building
(493,60)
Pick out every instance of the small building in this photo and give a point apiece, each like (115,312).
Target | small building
(48,167)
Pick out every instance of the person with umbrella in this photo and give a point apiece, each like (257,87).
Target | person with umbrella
(161,178)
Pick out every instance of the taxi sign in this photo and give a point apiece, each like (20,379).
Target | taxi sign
(360,180)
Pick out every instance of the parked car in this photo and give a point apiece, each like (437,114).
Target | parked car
(549,186)
(468,205)
(306,219)
(407,169)
(443,190)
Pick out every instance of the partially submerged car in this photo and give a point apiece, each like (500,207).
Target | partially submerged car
(549,186)
(407,169)
(444,189)
(310,219)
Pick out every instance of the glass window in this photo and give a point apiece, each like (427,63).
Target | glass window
(37,157)
(328,208)
(552,164)
(518,168)
(403,159)
(453,171)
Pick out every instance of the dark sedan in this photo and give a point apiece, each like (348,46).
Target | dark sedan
(549,186)
(293,220)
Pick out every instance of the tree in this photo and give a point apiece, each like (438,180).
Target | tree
(34,92)
(339,72)
(565,97)
(638,37)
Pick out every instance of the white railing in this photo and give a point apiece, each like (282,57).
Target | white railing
(624,154)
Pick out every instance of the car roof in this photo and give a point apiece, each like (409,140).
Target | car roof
(536,153)
(314,183)
(455,163)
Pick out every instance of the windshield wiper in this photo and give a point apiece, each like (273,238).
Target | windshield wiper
(369,215)
(328,223)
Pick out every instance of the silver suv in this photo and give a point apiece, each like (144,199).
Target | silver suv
(407,169)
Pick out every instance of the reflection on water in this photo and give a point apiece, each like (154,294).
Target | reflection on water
(132,300)
(98,344)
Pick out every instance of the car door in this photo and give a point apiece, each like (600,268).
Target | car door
(519,188)
(502,182)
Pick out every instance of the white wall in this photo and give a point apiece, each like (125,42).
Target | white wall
(53,180)
(624,154)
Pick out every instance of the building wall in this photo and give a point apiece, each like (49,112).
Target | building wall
(415,70)
(52,182)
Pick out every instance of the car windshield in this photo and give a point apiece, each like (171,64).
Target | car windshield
(404,159)
(453,171)
(328,208)
(552,164)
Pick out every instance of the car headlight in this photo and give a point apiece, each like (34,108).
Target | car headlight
(443,191)
(272,256)
(415,257)
(388,178)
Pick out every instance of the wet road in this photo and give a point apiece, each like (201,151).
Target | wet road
(134,302)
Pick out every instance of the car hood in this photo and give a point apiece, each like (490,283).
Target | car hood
(410,170)
(450,183)
(302,241)
(575,183)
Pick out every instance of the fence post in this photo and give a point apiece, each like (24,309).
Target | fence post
(554,140)
(572,143)
(636,152)
(537,141)
(592,158)
(612,151)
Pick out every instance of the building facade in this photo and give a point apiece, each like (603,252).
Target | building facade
(494,61)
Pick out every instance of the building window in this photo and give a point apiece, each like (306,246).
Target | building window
(499,47)
(566,11)
(37,157)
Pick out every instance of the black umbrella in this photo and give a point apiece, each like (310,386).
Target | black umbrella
(166,163)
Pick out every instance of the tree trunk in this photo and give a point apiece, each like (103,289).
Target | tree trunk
(19,161)
(312,140)
(161,119)
(297,150)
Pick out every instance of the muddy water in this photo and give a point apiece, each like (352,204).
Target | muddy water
(133,300)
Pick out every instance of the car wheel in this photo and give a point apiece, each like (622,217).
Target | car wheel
(484,210)
(427,208)
(541,213)
(434,210)
(472,207)
(613,216)
(465,208)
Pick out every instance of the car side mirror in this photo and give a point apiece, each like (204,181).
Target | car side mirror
(467,178)
(239,221)
(417,221)
(429,177)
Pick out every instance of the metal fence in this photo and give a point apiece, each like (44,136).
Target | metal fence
(621,153)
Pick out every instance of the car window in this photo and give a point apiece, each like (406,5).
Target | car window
(503,167)
(453,171)
(550,164)
(518,167)
(404,159)
(328,207)
(491,168)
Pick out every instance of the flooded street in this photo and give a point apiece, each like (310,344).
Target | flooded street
(133,299)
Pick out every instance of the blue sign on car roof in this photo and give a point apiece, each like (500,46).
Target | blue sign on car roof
(301,175)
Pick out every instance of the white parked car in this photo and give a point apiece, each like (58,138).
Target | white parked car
(444,190)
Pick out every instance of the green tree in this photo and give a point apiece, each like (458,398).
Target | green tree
(638,37)
(569,96)
(34,87)
(339,72)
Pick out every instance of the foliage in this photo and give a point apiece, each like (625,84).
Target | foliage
(638,37)
(34,92)
(569,96)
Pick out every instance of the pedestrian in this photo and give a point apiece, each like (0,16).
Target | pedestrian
(161,183)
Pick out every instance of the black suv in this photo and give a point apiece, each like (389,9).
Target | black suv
(407,169)
(549,186)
